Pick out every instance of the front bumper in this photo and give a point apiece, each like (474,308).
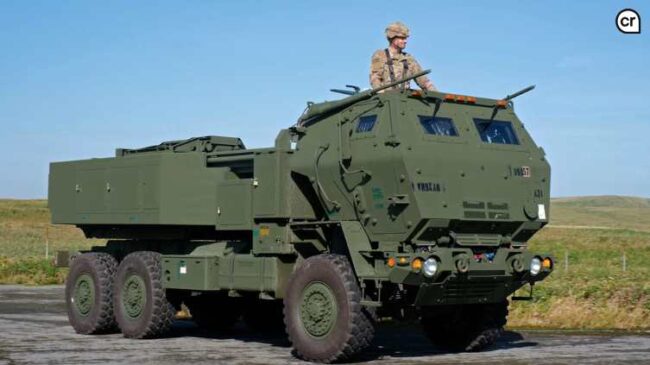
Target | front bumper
(480,281)
(467,290)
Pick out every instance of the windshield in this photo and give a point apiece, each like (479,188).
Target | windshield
(438,126)
(496,131)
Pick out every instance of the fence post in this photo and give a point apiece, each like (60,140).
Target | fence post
(566,261)
(47,242)
(624,262)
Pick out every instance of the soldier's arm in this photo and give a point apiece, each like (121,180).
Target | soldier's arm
(376,69)
(423,81)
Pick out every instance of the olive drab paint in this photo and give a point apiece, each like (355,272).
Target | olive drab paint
(375,176)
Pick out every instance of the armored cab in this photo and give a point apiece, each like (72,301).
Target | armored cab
(378,204)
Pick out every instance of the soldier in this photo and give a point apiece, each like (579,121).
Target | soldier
(391,64)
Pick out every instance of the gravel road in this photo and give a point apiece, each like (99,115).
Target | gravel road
(34,330)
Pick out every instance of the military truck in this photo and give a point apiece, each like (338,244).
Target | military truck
(383,204)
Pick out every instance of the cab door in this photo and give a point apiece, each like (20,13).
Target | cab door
(374,160)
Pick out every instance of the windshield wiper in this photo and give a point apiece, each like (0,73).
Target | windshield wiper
(503,103)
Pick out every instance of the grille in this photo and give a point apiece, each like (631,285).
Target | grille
(470,289)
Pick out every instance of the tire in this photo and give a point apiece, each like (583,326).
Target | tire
(465,327)
(265,316)
(322,311)
(141,307)
(89,293)
(215,311)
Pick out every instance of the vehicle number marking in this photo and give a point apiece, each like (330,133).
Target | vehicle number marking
(428,187)
(523,171)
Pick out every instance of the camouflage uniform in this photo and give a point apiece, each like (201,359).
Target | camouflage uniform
(388,65)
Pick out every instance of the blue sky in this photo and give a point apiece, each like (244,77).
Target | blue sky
(80,78)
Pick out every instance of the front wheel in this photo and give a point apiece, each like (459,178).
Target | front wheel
(141,307)
(322,311)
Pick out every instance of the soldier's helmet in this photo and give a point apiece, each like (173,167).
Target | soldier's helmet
(397,29)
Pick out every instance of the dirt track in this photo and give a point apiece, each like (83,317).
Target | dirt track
(34,330)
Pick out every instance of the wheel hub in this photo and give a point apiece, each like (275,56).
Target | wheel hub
(134,296)
(83,297)
(318,310)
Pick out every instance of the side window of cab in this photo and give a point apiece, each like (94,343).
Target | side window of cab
(366,124)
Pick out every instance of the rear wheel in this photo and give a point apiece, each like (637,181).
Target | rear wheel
(465,327)
(89,293)
(322,311)
(141,307)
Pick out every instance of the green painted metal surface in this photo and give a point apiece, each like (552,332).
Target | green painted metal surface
(373,176)
(358,245)
(227,271)
(83,297)
(134,296)
(318,309)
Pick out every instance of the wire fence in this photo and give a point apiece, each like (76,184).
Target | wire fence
(623,262)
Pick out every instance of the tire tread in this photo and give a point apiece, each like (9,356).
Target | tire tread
(162,312)
(105,267)
(362,325)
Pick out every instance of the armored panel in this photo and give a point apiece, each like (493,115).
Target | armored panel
(268,184)
(190,272)
(61,192)
(148,189)
(125,184)
(271,238)
(234,205)
(92,189)
(229,272)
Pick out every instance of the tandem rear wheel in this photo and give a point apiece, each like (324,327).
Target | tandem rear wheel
(141,306)
(89,293)
(322,311)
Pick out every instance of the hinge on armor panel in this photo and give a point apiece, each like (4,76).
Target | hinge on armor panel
(392,141)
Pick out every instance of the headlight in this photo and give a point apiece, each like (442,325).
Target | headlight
(535,266)
(430,266)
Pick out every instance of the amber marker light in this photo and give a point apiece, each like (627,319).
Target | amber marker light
(416,264)
(502,103)
(449,97)
(547,263)
(460,98)
(403,261)
(416,94)
(471,100)
(391,262)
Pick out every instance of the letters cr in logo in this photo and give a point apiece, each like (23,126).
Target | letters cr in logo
(628,21)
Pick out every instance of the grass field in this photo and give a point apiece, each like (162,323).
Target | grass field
(25,238)
(591,287)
